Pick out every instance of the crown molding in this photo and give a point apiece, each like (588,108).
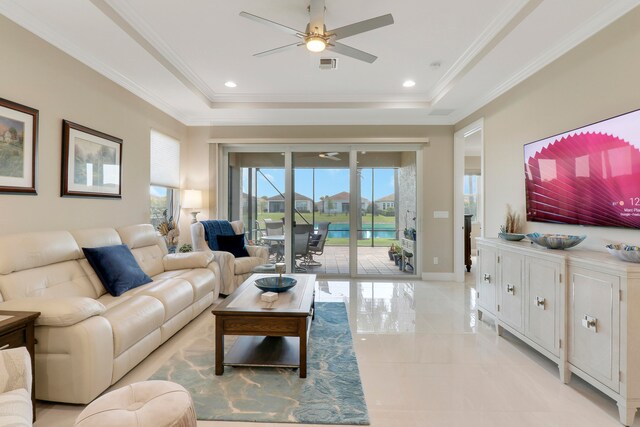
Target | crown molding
(598,22)
(17,14)
(321,98)
(475,51)
(138,24)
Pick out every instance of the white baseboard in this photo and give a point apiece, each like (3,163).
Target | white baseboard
(439,277)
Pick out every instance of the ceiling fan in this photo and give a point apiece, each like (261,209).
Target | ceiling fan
(316,37)
(331,156)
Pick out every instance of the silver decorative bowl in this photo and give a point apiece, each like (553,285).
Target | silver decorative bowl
(624,252)
(513,237)
(275,283)
(556,241)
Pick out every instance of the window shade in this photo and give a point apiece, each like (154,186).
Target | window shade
(165,160)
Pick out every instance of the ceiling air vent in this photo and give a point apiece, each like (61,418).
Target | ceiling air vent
(328,63)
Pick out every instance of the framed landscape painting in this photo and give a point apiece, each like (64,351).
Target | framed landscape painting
(18,148)
(91,162)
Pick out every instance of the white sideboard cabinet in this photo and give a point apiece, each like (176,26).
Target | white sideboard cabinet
(579,308)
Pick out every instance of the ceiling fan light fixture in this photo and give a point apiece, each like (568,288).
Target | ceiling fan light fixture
(316,43)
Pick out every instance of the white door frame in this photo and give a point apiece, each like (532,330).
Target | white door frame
(355,145)
(459,140)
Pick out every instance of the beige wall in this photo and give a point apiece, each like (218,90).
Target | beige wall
(437,186)
(35,74)
(594,81)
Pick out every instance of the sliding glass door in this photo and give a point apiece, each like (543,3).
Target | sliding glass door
(336,212)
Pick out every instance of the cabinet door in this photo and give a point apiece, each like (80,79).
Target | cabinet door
(487,278)
(510,290)
(542,321)
(594,324)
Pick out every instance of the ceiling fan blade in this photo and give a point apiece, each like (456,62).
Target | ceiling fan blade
(316,16)
(270,23)
(352,52)
(362,26)
(278,49)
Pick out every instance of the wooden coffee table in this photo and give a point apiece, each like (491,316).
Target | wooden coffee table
(270,334)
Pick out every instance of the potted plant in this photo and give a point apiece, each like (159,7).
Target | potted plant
(168,229)
(394,249)
(186,248)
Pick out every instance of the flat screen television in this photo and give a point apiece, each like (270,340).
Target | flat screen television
(587,176)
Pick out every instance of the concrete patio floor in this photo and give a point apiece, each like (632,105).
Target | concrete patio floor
(373,261)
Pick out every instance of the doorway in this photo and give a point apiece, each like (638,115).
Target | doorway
(353,202)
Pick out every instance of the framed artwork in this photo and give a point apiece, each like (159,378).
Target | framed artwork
(91,163)
(18,148)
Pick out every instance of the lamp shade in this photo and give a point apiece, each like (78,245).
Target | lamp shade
(192,199)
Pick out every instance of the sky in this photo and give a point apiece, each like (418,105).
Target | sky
(327,182)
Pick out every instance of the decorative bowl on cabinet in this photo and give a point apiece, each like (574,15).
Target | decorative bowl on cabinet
(624,252)
(512,237)
(556,241)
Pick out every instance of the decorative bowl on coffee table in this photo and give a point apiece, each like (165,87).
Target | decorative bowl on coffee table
(556,241)
(275,283)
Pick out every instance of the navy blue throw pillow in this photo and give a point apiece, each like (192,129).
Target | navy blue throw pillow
(233,244)
(116,268)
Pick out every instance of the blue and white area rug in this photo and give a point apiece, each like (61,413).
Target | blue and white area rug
(331,393)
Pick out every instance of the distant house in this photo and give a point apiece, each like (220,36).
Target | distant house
(302,203)
(386,202)
(339,203)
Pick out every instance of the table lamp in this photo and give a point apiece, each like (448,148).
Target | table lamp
(192,200)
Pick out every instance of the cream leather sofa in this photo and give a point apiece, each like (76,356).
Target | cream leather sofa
(15,388)
(233,271)
(86,338)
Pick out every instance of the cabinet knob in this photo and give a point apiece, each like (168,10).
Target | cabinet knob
(540,302)
(487,278)
(590,323)
(510,289)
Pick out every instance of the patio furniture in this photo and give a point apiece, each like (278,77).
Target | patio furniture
(316,245)
(274,228)
(301,235)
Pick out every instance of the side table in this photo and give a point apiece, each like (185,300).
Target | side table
(17,331)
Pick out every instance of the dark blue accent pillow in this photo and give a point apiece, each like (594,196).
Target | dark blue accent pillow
(233,244)
(116,268)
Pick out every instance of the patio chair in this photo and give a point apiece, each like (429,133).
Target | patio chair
(301,249)
(274,228)
(316,244)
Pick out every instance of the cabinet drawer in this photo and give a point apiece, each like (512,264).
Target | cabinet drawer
(14,339)
(594,325)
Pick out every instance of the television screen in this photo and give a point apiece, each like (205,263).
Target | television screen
(587,176)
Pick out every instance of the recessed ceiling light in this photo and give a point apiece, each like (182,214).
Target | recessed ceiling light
(409,83)
(230,84)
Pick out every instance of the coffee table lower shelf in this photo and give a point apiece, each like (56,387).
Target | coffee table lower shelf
(274,352)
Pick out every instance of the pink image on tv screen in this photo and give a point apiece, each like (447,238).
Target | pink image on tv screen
(588,176)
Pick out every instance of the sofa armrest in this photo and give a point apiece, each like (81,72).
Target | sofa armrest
(15,370)
(182,261)
(57,311)
(259,252)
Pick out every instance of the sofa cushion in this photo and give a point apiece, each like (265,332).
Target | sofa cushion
(30,250)
(64,279)
(116,267)
(181,261)
(174,294)
(57,311)
(202,280)
(233,244)
(134,319)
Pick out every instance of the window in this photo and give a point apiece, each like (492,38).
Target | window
(471,196)
(164,178)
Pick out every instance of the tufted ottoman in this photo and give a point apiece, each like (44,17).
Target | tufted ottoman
(147,403)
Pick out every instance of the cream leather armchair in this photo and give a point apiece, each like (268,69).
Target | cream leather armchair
(15,388)
(233,271)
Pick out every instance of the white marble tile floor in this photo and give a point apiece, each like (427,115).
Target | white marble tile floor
(425,360)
